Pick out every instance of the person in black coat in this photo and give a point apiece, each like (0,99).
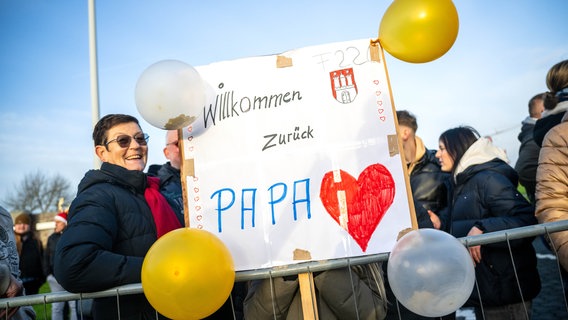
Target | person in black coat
(58,309)
(116,217)
(30,250)
(485,199)
(170,176)
(427,181)
(528,150)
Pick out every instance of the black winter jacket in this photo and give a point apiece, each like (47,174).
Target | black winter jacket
(170,187)
(528,159)
(49,252)
(31,259)
(544,124)
(485,195)
(429,190)
(110,229)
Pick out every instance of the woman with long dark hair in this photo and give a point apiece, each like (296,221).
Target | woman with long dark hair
(484,198)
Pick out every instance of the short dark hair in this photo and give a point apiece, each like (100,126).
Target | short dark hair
(106,123)
(532,104)
(457,141)
(407,119)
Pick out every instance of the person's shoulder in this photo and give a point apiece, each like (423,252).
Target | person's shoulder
(54,236)
(430,154)
(496,170)
(556,136)
(430,161)
(167,172)
(549,121)
(483,169)
(153,169)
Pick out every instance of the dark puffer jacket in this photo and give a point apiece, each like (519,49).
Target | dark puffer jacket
(544,124)
(170,187)
(49,252)
(485,196)
(528,158)
(429,190)
(110,229)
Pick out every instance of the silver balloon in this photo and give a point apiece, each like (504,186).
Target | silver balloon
(430,272)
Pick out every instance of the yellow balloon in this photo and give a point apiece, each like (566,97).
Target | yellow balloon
(188,274)
(419,30)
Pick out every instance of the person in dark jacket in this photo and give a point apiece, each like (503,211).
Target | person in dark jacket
(170,176)
(30,250)
(528,151)
(57,308)
(555,101)
(114,220)
(427,180)
(485,199)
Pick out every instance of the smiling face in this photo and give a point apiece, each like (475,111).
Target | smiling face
(132,157)
(446,160)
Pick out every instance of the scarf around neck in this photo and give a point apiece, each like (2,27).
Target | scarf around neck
(164,216)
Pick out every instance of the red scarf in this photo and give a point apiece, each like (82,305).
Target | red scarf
(164,216)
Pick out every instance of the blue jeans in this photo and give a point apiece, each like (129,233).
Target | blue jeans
(57,308)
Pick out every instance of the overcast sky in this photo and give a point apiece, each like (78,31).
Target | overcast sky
(498,62)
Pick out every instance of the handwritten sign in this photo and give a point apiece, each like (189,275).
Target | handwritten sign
(297,151)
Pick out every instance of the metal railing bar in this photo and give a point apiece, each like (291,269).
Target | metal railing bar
(302,267)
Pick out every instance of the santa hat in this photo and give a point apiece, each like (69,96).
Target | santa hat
(61,216)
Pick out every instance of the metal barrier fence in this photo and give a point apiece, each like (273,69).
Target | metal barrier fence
(303,267)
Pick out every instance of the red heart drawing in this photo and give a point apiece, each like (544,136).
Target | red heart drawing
(358,205)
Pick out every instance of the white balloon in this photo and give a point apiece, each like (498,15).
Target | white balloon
(430,272)
(170,94)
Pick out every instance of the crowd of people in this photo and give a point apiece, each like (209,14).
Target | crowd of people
(465,187)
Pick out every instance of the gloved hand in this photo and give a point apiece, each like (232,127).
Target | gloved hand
(9,287)
(15,288)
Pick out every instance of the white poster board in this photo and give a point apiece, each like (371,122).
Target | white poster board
(297,151)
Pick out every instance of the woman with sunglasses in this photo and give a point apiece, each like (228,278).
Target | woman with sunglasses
(485,199)
(114,220)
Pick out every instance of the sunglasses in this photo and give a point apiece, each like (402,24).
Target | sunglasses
(124,140)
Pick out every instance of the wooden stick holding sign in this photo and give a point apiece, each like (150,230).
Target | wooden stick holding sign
(307,288)
(395,141)
(185,170)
